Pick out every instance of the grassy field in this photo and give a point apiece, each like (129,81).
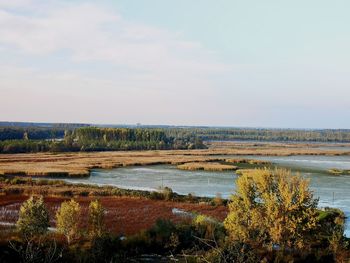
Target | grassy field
(79,164)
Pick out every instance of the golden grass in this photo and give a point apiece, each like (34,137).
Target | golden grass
(80,164)
(206,166)
(248,161)
(336,171)
(245,171)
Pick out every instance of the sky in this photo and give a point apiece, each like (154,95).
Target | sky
(252,63)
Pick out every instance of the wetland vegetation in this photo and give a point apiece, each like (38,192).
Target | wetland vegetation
(192,228)
(170,224)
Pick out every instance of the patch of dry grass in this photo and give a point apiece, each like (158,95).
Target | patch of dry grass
(80,164)
(336,171)
(248,161)
(207,166)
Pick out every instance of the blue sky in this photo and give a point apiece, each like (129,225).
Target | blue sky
(226,63)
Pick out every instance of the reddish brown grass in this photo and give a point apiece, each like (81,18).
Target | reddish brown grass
(125,215)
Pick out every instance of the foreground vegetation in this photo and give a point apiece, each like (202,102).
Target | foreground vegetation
(272,217)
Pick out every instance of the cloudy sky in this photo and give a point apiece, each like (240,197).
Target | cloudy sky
(228,63)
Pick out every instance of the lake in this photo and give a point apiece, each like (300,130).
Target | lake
(332,191)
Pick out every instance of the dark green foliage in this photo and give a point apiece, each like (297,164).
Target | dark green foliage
(95,139)
(105,249)
(102,139)
(208,133)
(32,133)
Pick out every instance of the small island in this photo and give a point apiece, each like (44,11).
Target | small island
(207,166)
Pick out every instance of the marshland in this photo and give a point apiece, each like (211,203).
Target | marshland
(185,179)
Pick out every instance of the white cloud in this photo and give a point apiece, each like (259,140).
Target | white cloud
(94,33)
(162,76)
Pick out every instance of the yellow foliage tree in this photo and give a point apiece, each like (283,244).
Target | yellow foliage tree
(67,219)
(96,219)
(272,208)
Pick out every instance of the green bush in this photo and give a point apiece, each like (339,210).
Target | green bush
(33,217)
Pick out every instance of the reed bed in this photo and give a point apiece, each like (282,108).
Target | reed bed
(80,164)
(207,166)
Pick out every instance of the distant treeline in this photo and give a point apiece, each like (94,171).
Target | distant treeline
(82,137)
(20,140)
(208,134)
(31,133)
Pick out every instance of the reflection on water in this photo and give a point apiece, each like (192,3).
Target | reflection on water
(332,191)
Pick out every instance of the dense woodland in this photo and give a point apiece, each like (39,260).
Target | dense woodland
(20,140)
(32,133)
(208,134)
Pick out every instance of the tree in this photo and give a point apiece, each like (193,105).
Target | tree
(96,219)
(33,217)
(67,219)
(272,208)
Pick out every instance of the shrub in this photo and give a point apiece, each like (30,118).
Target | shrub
(218,199)
(273,208)
(67,219)
(167,193)
(191,197)
(105,248)
(96,219)
(208,228)
(161,232)
(33,217)
(16,180)
(156,195)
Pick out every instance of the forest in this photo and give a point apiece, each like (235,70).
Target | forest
(31,133)
(302,135)
(22,140)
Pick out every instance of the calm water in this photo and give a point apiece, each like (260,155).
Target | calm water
(333,191)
